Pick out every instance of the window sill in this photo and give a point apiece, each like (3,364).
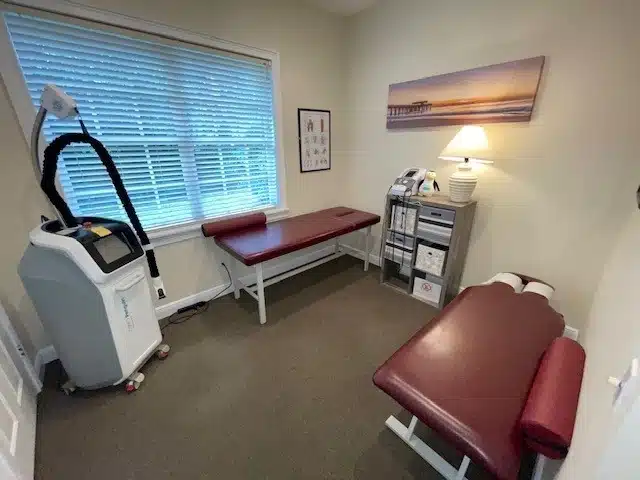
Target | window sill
(168,235)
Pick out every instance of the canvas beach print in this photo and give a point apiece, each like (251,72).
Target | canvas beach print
(498,93)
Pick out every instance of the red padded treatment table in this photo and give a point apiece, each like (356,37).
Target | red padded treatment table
(467,375)
(256,242)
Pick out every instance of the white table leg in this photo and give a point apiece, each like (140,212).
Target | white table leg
(443,467)
(462,471)
(233,273)
(412,427)
(337,245)
(260,290)
(367,252)
(541,460)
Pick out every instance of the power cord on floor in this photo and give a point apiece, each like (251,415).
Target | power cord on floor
(178,318)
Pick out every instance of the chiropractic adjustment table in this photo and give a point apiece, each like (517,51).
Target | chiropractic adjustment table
(250,240)
(469,372)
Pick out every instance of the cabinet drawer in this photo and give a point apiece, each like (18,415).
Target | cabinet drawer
(398,255)
(400,240)
(439,215)
(434,233)
(431,259)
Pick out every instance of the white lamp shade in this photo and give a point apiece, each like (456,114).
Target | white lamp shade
(470,142)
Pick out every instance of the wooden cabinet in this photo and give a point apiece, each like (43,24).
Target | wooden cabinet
(424,246)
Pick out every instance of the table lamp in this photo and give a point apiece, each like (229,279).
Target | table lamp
(468,146)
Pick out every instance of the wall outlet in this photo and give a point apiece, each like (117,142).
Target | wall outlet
(627,388)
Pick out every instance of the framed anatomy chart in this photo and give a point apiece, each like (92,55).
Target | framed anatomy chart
(314,134)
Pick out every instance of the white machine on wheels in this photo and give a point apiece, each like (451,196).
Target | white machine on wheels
(86,275)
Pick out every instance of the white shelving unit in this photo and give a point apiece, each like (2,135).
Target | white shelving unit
(425,246)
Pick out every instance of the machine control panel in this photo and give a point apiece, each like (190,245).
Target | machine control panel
(111,244)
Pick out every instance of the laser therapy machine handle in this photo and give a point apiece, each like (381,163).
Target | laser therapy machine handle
(49,168)
(63,106)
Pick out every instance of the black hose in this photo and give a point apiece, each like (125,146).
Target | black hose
(50,165)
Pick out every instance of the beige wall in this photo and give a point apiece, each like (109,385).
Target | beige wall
(611,341)
(21,205)
(310,43)
(549,204)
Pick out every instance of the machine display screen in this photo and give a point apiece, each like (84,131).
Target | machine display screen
(112,248)
(410,173)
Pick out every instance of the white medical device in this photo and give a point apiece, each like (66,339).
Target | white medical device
(86,275)
(90,290)
(408,182)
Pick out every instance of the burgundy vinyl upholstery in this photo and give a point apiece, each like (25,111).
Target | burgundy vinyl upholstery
(550,414)
(262,242)
(221,227)
(467,373)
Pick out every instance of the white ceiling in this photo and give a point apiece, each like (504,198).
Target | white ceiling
(343,7)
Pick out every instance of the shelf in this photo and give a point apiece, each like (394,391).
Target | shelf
(400,232)
(424,300)
(397,288)
(447,234)
(399,246)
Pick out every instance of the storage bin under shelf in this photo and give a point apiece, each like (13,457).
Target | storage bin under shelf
(431,258)
(427,289)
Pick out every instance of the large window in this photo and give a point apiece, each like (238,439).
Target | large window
(191,129)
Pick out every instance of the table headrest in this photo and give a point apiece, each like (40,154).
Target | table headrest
(221,227)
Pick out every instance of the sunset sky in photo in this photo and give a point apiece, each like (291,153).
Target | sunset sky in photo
(517,79)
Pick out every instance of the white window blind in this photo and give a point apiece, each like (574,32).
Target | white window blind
(191,130)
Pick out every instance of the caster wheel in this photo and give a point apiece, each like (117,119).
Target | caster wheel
(163,351)
(68,388)
(132,386)
(68,391)
(133,382)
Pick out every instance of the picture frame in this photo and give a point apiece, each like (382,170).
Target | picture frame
(314,139)
(504,92)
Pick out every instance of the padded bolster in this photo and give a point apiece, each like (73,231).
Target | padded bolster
(235,224)
(550,412)
(528,279)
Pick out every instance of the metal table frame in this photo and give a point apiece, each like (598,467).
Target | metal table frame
(256,290)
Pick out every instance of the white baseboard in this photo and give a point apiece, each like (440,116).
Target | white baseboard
(276,268)
(357,253)
(272,270)
(48,353)
(170,308)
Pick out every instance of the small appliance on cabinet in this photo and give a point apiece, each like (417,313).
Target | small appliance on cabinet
(425,246)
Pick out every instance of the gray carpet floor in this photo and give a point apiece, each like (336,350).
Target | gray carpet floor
(235,400)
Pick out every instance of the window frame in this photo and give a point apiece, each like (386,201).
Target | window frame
(19,97)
